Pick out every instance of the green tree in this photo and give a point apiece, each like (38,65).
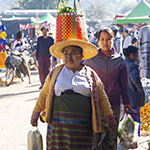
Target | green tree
(37,4)
(95,12)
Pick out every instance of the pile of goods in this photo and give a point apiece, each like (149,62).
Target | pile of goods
(65,10)
(145,117)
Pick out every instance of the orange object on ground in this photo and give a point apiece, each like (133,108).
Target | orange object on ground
(3,56)
(145,117)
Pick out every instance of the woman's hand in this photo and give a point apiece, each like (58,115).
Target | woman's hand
(34,122)
(111,123)
(127,106)
(34,118)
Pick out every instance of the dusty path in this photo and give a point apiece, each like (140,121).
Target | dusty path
(16,104)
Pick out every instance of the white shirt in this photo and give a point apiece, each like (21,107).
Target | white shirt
(18,45)
(127,41)
(77,81)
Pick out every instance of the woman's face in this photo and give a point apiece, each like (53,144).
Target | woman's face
(105,41)
(72,57)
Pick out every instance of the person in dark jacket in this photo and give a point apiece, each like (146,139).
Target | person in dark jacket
(111,69)
(135,89)
(43,55)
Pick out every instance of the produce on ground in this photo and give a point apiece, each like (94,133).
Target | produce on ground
(66,10)
(145,117)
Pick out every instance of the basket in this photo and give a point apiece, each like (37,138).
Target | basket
(71,26)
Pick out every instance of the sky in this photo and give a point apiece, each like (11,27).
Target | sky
(9,3)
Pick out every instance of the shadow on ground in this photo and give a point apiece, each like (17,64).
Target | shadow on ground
(15,94)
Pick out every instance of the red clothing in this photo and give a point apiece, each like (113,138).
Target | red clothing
(18,45)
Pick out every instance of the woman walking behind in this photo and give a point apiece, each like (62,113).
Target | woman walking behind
(111,69)
(135,89)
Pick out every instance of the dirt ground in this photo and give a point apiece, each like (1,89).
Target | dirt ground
(16,104)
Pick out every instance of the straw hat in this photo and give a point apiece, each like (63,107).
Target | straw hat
(89,50)
(71,31)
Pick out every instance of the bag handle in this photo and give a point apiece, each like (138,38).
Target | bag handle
(75,6)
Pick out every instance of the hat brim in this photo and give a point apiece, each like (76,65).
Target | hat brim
(89,50)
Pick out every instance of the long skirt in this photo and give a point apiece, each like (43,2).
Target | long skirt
(71,123)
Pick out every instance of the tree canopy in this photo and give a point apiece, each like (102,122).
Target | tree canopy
(95,12)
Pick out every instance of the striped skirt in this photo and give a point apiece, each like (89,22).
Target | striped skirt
(71,123)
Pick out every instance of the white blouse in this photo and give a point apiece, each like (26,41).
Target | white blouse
(77,81)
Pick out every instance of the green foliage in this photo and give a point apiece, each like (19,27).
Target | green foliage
(66,9)
(95,12)
(37,4)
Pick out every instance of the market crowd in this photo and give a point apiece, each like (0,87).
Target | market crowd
(82,97)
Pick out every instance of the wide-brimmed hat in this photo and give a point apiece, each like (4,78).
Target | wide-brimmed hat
(89,50)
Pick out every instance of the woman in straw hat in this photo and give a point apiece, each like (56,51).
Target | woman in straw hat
(73,96)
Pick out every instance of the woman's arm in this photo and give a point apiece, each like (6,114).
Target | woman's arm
(41,101)
(104,104)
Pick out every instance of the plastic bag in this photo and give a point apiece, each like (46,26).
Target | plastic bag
(34,141)
(128,132)
(16,60)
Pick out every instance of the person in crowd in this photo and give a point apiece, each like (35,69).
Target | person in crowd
(90,35)
(118,40)
(19,45)
(134,41)
(73,95)
(43,55)
(135,31)
(111,69)
(135,89)
(127,40)
(94,40)
(144,51)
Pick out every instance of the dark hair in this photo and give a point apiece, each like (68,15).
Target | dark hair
(44,27)
(126,30)
(134,39)
(129,50)
(19,35)
(81,50)
(114,29)
(107,30)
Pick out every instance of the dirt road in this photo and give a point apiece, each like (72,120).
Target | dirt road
(16,104)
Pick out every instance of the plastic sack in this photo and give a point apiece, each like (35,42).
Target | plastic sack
(16,60)
(34,141)
(128,132)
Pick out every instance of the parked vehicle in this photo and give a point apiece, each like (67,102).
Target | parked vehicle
(13,65)
(9,41)
(33,62)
